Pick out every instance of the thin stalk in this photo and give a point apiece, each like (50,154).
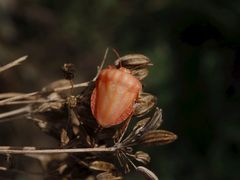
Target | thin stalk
(14,98)
(85,84)
(10,150)
(12,64)
(9,95)
(25,96)
(15,112)
(33,101)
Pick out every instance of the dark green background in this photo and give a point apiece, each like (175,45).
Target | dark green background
(194,47)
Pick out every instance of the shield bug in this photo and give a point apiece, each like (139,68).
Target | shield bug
(113,98)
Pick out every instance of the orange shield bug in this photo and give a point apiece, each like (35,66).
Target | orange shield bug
(113,98)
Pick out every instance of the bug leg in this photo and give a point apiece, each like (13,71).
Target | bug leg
(116,52)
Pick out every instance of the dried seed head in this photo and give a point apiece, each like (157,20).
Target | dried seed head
(72,101)
(143,127)
(70,120)
(101,166)
(140,124)
(68,70)
(144,104)
(107,176)
(64,137)
(140,73)
(142,157)
(132,61)
(62,168)
(147,173)
(157,137)
(155,121)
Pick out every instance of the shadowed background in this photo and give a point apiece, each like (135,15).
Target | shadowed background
(196,74)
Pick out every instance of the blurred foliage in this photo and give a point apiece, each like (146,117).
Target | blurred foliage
(194,46)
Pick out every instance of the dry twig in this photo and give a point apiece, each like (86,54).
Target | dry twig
(33,150)
(12,64)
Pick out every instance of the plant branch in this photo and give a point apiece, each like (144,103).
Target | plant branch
(12,64)
(33,101)
(25,96)
(33,150)
(9,95)
(15,112)
(14,98)
(85,84)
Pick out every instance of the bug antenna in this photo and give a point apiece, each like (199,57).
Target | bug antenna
(116,52)
(118,55)
(101,65)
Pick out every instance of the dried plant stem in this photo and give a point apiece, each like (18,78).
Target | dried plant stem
(9,95)
(12,64)
(85,84)
(32,150)
(33,101)
(14,98)
(15,112)
(3,168)
(25,96)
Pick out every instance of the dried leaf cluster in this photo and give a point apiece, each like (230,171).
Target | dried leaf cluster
(87,151)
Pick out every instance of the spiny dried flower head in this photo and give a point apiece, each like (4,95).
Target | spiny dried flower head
(92,126)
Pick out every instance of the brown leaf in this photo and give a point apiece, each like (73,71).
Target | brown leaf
(108,176)
(144,104)
(157,137)
(148,175)
(142,157)
(62,168)
(101,166)
(64,137)
(74,118)
(79,129)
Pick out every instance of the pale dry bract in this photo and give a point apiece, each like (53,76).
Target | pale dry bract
(86,150)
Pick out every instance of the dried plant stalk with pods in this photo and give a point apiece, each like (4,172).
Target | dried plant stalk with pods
(91,145)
